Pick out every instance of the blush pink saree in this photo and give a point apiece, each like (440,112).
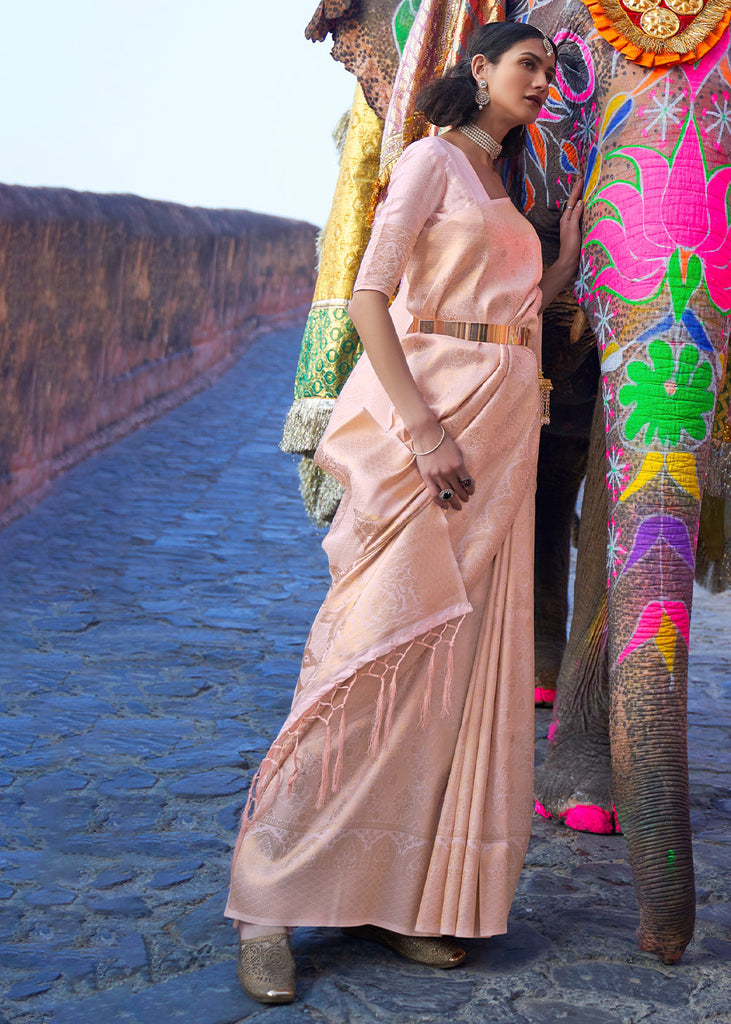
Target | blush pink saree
(399,789)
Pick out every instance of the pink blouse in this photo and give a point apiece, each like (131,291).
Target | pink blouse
(458,254)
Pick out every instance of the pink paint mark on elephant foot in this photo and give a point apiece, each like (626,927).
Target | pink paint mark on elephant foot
(585,818)
(544,696)
(552,730)
(588,818)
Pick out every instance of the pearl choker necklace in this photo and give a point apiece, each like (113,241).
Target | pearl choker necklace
(482,139)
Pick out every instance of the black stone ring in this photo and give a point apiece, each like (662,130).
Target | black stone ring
(446,494)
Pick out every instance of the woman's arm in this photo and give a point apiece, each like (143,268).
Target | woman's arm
(444,467)
(561,273)
(369,312)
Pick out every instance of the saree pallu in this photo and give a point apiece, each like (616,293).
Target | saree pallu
(399,790)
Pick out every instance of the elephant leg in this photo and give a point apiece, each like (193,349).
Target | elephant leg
(561,464)
(573,784)
(572,365)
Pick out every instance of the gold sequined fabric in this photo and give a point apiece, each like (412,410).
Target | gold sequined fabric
(722,419)
(713,553)
(330,346)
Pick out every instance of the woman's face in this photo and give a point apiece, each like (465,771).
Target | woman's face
(518,83)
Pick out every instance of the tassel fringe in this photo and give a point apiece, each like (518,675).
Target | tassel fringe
(330,712)
(320,492)
(426,699)
(305,424)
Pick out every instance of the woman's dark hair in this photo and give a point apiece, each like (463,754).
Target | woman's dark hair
(451,100)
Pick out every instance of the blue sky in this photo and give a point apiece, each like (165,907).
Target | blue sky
(218,103)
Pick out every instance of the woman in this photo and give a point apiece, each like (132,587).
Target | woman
(396,800)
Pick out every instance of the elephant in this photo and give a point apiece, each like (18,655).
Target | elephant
(655,287)
(640,369)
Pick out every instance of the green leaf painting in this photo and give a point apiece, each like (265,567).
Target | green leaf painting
(403,19)
(668,396)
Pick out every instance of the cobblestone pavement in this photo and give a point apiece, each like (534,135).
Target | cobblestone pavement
(154,610)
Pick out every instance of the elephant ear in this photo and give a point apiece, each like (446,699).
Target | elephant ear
(363,41)
(326,17)
(713,555)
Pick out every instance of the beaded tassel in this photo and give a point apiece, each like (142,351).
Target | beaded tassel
(546,387)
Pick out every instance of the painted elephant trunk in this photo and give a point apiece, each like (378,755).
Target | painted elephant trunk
(658,397)
(650,784)
(652,540)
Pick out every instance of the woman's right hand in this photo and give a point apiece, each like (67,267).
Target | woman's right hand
(444,469)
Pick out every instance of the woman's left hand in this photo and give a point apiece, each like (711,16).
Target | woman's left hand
(570,229)
(562,273)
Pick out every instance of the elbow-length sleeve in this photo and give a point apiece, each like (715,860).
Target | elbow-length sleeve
(415,191)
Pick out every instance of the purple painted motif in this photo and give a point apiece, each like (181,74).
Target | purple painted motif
(662,528)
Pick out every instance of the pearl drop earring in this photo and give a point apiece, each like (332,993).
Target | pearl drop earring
(482,96)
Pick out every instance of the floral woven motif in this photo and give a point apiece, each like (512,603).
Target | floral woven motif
(661,32)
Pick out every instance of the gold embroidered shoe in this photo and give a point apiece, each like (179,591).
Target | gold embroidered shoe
(266,968)
(436,951)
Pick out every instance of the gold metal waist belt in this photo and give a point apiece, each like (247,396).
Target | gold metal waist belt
(499,334)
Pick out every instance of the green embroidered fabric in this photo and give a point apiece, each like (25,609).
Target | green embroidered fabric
(330,350)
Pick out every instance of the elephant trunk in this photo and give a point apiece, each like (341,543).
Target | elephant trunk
(650,784)
(649,612)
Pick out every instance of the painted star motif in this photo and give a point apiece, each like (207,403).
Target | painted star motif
(603,316)
(667,109)
(608,403)
(584,278)
(718,118)
(615,551)
(617,471)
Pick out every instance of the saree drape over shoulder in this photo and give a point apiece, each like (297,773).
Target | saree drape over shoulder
(399,790)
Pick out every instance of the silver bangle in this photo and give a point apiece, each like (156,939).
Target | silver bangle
(418,454)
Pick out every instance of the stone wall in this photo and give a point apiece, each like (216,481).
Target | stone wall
(114,307)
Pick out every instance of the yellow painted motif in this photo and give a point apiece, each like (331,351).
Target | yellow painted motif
(651,466)
(682,468)
(611,357)
(666,639)
(680,465)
